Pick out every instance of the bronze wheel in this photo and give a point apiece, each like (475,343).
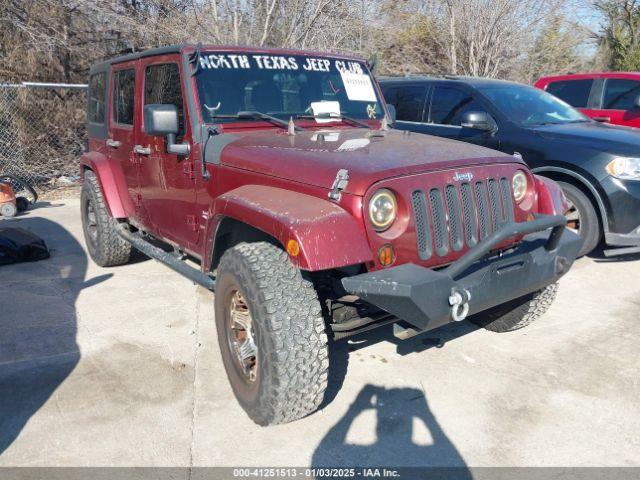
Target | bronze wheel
(271,334)
(240,336)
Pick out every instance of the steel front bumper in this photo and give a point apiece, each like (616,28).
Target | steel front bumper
(423,297)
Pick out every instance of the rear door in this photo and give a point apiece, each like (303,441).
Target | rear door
(167,181)
(617,102)
(409,101)
(122,131)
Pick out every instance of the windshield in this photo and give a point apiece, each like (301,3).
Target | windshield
(284,86)
(528,106)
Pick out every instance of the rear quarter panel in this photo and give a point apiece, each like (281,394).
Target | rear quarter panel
(110,177)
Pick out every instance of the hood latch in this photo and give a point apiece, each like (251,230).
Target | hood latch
(339,184)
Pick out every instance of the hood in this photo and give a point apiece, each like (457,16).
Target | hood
(595,135)
(314,157)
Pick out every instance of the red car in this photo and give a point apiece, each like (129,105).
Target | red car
(612,97)
(271,177)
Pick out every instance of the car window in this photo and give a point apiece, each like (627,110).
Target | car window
(162,85)
(283,86)
(528,106)
(409,102)
(123,95)
(448,104)
(390,94)
(619,93)
(97,87)
(574,92)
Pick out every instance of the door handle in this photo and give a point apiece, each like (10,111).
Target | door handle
(602,119)
(113,143)
(142,150)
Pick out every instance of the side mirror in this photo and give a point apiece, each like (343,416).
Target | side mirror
(162,120)
(392,113)
(479,121)
(636,101)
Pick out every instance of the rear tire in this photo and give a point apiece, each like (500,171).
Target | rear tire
(582,217)
(517,313)
(22,204)
(105,246)
(271,333)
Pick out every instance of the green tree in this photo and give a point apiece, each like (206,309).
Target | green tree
(557,49)
(620,38)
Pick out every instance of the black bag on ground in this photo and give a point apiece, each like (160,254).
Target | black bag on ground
(20,245)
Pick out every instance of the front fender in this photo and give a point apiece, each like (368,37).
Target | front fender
(112,184)
(329,237)
(551,199)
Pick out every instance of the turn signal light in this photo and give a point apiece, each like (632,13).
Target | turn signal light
(293,248)
(386,255)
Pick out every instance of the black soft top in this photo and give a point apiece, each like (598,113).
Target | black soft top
(104,65)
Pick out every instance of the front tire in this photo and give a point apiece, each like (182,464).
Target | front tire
(271,333)
(105,246)
(582,217)
(517,313)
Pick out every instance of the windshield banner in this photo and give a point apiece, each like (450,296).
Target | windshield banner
(357,83)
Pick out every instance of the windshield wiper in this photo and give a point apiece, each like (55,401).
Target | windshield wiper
(252,115)
(541,124)
(336,116)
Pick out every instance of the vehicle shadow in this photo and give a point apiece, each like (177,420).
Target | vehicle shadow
(38,348)
(339,350)
(389,427)
(598,256)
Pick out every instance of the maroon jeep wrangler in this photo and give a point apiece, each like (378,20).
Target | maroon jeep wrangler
(276,172)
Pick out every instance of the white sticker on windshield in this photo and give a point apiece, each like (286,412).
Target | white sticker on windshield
(358,86)
(325,107)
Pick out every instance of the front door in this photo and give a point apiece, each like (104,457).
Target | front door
(409,101)
(167,181)
(122,131)
(444,113)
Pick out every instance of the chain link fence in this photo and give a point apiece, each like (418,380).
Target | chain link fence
(42,132)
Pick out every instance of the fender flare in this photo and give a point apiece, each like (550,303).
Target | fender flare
(328,235)
(584,182)
(551,200)
(111,188)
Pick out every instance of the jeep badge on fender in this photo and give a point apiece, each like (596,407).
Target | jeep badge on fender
(311,220)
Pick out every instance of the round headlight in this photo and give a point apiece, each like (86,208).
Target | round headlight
(383,209)
(519,186)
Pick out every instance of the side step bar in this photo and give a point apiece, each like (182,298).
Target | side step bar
(167,259)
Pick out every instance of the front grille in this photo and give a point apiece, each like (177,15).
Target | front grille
(464,215)
(423,232)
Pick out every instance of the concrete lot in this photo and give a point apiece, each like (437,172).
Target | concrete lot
(121,367)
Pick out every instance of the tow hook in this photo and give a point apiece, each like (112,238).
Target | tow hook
(459,301)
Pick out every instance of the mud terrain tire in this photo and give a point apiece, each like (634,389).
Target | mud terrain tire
(105,247)
(517,313)
(288,329)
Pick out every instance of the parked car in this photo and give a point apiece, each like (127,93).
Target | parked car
(274,171)
(597,165)
(612,97)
